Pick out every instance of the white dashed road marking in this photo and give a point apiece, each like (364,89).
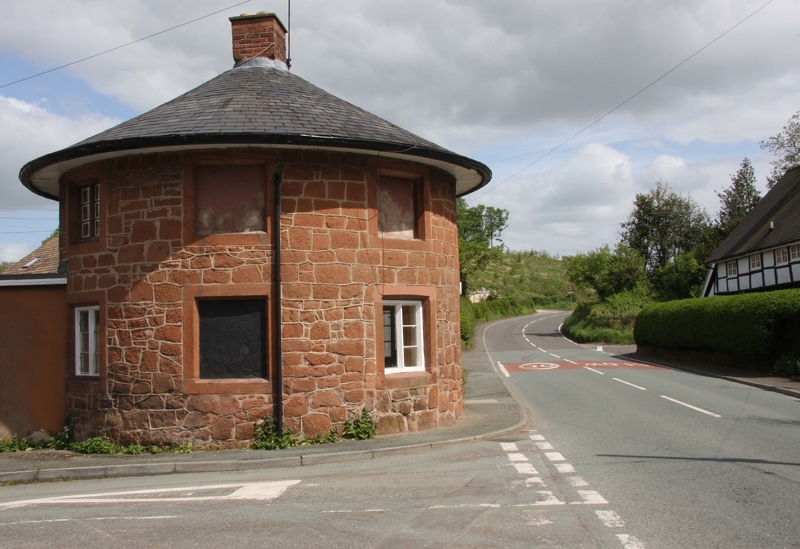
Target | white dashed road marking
(630,542)
(595,371)
(554,456)
(712,414)
(628,383)
(536,437)
(525,469)
(565,468)
(503,369)
(544,446)
(610,519)
(508,446)
(516,456)
(591,497)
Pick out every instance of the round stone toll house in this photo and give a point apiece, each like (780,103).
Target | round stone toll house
(258,247)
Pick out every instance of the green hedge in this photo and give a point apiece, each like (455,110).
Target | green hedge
(476,313)
(758,326)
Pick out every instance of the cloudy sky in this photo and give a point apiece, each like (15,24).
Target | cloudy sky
(502,81)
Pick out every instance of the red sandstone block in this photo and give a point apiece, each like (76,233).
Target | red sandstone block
(216,277)
(301,172)
(320,330)
(296,345)
(325,291)
(168,293)
(299,239)
(320,242)
(332,274)
(183,277)
(346,347)
(395,259)
(292,330)
(321,257)
(157,252)
(296,291)
(315,189)
(344,239)
(351,173)
(295,406)
(356,192)
(336,190)
(247,275)
(226,261)
(308,220)
(169,229)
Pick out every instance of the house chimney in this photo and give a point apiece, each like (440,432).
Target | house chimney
(258,35)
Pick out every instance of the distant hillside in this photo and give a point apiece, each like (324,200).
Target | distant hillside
(528,277)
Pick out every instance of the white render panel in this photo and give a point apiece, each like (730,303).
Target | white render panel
(756,281)
(722,286)
(733,285)
(768,259)
(796,271)
(744,282)
(769,277)
(783,275)
(744,265)
(722,271)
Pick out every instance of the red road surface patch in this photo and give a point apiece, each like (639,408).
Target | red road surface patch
(562,365)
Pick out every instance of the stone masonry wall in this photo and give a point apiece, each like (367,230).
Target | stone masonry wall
(331,269)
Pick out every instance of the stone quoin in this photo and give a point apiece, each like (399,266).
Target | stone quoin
(255,243)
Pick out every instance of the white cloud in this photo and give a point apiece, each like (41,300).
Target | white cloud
(573,208)
(14,251)
(29,131)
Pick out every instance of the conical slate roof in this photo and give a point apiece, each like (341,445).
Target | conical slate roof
(256,103)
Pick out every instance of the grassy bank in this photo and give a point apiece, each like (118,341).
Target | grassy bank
(610,321)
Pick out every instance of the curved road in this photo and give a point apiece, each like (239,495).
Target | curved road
(683,460)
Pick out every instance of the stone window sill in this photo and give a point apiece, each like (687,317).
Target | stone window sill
(226,386)
(407,380)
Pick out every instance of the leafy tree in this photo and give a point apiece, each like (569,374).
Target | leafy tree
(4,265)
(607,272)
(786,145)
(683,277)
(664,224)
(478,228)
(737,200)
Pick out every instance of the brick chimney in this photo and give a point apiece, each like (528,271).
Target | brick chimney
(258,35)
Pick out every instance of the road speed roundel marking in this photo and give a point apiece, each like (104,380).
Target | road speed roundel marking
(538,366)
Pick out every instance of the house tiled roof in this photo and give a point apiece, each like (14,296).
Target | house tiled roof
(46,260)
(255,103)
(781,206)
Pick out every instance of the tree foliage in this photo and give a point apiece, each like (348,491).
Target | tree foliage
(786,145)
(664,224)
(479,229)
(607,272)
(4,265)
(737,200)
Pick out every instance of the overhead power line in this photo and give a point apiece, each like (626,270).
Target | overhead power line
(122,46)
(651,84)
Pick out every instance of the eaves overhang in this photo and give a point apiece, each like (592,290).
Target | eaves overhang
(42,175)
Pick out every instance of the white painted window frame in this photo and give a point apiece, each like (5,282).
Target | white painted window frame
(755,261)
(93,341)
(782,256)
(398,333)
(794,252)
(733,268)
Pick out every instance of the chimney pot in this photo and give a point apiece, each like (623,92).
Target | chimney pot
(259,35)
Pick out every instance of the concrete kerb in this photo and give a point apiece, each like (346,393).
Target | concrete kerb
(151,469)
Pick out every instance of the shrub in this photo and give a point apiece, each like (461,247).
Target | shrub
(788,365)
(360,428)
(757,326)
(267,437)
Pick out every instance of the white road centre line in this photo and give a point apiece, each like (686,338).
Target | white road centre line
(508,446)
(630,542)
(590,497)
(554,456)
(628,383)
(595,371)
(525,469)
(610,519)
(530,481)
(516,456)
(536,437)
(544,446)
(503,369)
(551,354)
(712,414)
(565,468)
(568,360)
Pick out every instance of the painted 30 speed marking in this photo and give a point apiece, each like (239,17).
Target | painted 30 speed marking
(535,366)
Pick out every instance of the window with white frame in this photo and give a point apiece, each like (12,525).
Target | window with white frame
(755,261)
(403,337)
(794,251)
(87,346)
(781,256)
(733,269)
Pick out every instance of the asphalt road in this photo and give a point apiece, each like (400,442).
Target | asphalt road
(606,462)
(684,460)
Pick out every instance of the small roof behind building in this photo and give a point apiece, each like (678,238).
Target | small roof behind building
(780,207)
(42,260)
